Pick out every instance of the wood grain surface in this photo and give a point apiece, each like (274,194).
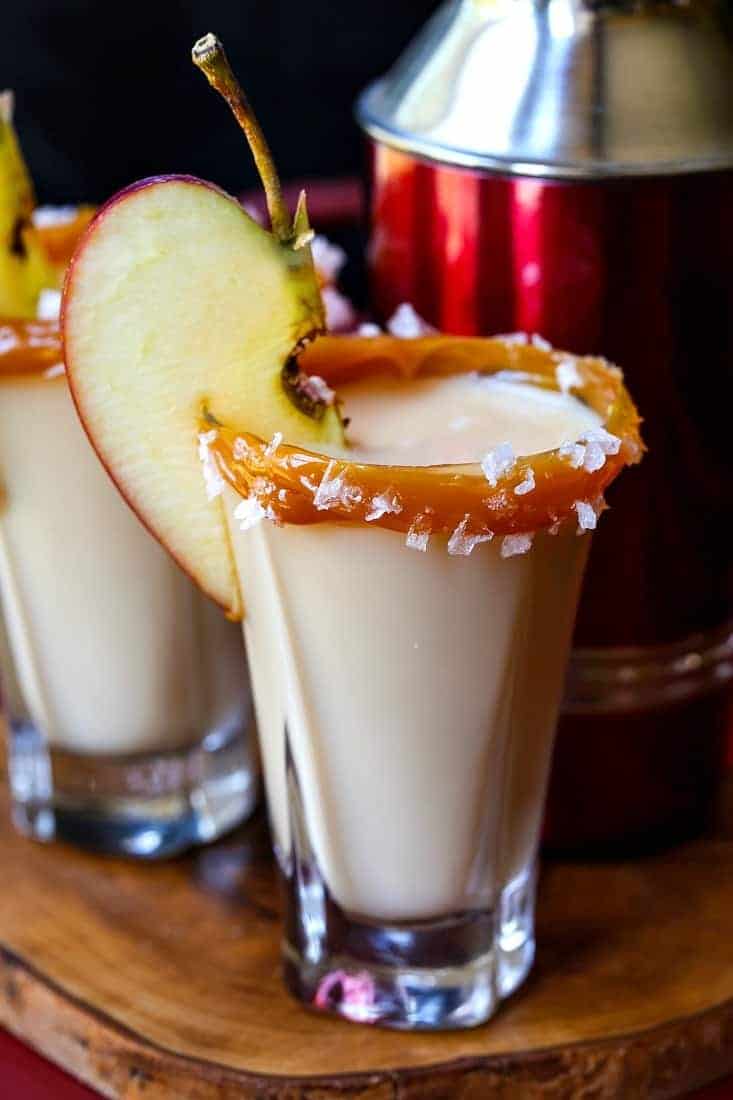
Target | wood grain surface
(162,981)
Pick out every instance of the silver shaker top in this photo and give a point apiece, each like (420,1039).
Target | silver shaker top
(564,88)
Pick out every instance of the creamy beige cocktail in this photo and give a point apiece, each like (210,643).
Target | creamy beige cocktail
(116,669)
(402,679)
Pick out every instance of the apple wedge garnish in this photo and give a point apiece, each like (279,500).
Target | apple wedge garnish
(25,269)
(177,303)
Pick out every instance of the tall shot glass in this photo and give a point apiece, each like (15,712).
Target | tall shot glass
(406,700)
(125,691)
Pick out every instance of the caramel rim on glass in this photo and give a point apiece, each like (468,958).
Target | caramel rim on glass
(30,347)
(295,485)
(289,484)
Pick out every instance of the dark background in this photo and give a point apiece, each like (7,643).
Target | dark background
(106,92)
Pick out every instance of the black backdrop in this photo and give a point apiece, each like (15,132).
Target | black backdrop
(106,93)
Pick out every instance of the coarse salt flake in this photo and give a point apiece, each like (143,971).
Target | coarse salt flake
(540,343)
(274,443)
(407,324)
(419,534)
(340,314)
(48,306)
(249,512)
(610,444)
(595,457)
(586,513)
(329,258)
(567,375)
(462,543)
(572,452)
(497,463)
(512,545)
(333,490)
(527,484)
(45,217)
(369,329)
(513,339)
(386,503)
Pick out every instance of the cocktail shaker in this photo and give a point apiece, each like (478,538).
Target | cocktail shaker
(565,168)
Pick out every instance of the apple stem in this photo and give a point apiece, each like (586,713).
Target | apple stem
(208,55)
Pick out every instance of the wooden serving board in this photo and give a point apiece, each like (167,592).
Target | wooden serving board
(162,981)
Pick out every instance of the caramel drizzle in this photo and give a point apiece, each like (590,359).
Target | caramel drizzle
(30,347)
(294,485)
(60,240)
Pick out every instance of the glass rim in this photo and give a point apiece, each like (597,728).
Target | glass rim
(294,484)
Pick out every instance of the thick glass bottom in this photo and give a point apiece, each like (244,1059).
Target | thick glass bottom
(147,806)
(427,975)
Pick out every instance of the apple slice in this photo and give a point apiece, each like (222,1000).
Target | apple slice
(25,269)
(176,301)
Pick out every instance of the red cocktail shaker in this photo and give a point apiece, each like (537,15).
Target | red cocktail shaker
(565,168)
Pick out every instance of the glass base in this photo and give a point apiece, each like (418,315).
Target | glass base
(515,942)
(148,806)
(427,975)
(397,996)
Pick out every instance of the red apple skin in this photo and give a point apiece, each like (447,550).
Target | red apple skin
(67,293)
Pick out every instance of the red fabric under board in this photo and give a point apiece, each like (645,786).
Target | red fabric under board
(24,1075)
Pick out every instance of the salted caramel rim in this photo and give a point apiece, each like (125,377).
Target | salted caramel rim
(290,484)
(29,347)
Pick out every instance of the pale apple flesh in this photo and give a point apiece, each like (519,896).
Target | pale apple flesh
(177,301)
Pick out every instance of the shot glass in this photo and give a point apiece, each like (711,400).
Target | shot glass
(125,691)
(408,630)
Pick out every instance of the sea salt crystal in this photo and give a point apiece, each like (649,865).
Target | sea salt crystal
(527,484)
(48,306)
(328,492)
(420,530)
(274,443)
(334,490)
(249,512)
(587,518)
(55,371)
(407,324)
(567,375)
(340,314)
(513,339)
(295,460)
(595,458)
(462,543)
(45,217)
(386,503)
(511,545)
(574,453)
(540,343)
(329,258)
(213,480)
(497,463)
(609,443)
(368,328)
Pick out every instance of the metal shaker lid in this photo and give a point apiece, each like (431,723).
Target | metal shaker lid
(565,88)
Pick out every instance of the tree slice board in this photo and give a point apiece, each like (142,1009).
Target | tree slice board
(162,981)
